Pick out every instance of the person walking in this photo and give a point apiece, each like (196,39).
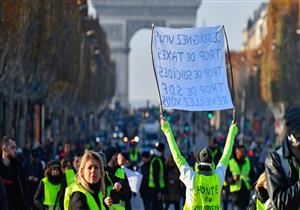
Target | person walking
(13,175)
(88,192)
(46,196)
(240,177)
(69,176)
(116,176)
(35,172)
(144,189)
(203,188)
(3,196)
(156,179)
(282,166)
(173,184)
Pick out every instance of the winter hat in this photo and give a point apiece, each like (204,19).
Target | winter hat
(146,154)
(110,151)
(292,118)
(53,164)
(204,157)
(159,146)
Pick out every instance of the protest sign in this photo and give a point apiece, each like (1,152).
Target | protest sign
(134,179)
(190,68)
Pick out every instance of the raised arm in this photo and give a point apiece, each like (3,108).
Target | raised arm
(177,156)
(233,130)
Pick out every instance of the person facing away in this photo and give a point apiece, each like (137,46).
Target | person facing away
(88,192)
(34,171)
(144,189)
(12,175)
(282,166)
(157,177)
(173,184)
(216,153)
(203,188)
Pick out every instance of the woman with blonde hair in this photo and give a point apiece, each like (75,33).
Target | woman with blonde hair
(88,191)
(260,200)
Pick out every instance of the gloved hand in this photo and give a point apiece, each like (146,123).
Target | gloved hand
(233,130)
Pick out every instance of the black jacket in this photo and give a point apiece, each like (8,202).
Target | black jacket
(78,200)
(144,189)
(39,197)
(13,177)
(125,192)
(241,198)
(3,197)
(284,191)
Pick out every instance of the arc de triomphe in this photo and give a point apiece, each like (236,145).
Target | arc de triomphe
(122,18)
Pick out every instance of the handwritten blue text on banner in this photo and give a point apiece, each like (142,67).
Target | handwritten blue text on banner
(190,68)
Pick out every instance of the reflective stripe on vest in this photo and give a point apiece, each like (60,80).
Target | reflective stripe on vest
(115,206)
(70,176)
(133,155)
(151,183)
(196,169)
(92,204)
(50,192)
(259,205)
(244,174)
(207,192)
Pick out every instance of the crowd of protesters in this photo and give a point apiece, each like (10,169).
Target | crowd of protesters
(85,176)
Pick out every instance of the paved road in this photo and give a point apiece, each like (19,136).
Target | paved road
(137,204)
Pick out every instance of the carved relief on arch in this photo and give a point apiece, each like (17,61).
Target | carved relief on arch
(114,32)
(133,26)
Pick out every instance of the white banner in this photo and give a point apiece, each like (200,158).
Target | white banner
(134,179)
(190,68)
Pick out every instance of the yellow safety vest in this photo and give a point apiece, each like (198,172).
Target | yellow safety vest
(50,192)
(133,155)
(207,193)
(151,183)
(259,205)
(92,204)
(244,174)
(120,173)
(70,176)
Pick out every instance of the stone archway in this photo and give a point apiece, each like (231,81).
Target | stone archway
(122,18)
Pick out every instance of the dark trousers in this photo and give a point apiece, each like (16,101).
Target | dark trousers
(235,207)
(155,202)
(175,202)
(147,202)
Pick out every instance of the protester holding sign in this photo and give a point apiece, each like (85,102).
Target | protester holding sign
(190,68)
(203,188)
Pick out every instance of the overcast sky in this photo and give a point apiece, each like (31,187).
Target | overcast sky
(233,14)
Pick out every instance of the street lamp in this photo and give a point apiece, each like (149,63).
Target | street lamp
(97,52)
(90,32)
